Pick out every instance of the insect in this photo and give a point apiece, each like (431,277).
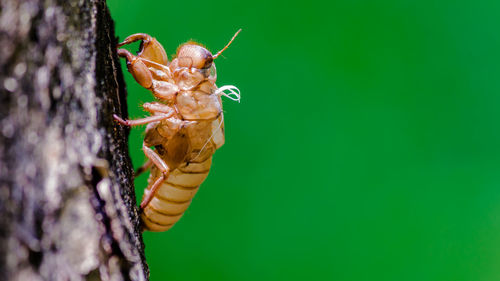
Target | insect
(185,127)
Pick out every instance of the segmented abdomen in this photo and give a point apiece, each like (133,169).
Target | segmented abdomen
(174,195)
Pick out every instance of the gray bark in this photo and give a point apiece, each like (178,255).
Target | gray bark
(67,204)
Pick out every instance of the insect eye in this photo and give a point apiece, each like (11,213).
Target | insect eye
(208,62)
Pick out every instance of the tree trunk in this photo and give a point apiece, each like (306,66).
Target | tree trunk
(67,204)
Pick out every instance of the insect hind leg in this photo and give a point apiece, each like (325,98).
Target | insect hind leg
(146,166)
(164,169)
(149,194)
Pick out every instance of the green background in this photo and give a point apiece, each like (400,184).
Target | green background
(365,146)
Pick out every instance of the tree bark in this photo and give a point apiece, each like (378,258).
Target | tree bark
(67,204)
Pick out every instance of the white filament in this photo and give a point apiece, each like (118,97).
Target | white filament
(234,93)
(164,67)
(215,131)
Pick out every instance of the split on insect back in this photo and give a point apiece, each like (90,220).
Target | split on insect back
(185,127)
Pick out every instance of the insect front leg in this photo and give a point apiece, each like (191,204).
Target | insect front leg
(150,48)
(137,68)
(164,169)
(151,78)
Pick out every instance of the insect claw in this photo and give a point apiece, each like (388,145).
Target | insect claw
(136,37)
(120,120)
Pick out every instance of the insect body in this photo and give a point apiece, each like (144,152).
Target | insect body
(185,128)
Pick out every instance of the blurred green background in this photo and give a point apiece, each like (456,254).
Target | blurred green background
(365,146)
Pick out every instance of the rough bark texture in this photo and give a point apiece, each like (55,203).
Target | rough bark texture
(67,204)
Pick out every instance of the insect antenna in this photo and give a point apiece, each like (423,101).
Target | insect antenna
(230,41)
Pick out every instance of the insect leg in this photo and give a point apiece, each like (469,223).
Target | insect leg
(137,68)
(143,168)
(156,159)
(150,48)
(142,121)
(154,107)
(164,169)
(151,79)
(135,37)
(149,196)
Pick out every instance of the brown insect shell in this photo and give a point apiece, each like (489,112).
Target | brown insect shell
(193,55)
(218,128)
(199,133)
(194,73)
(169,127)
(165,91)
(154,51)
(140,72)
(200,103)
(188,78)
